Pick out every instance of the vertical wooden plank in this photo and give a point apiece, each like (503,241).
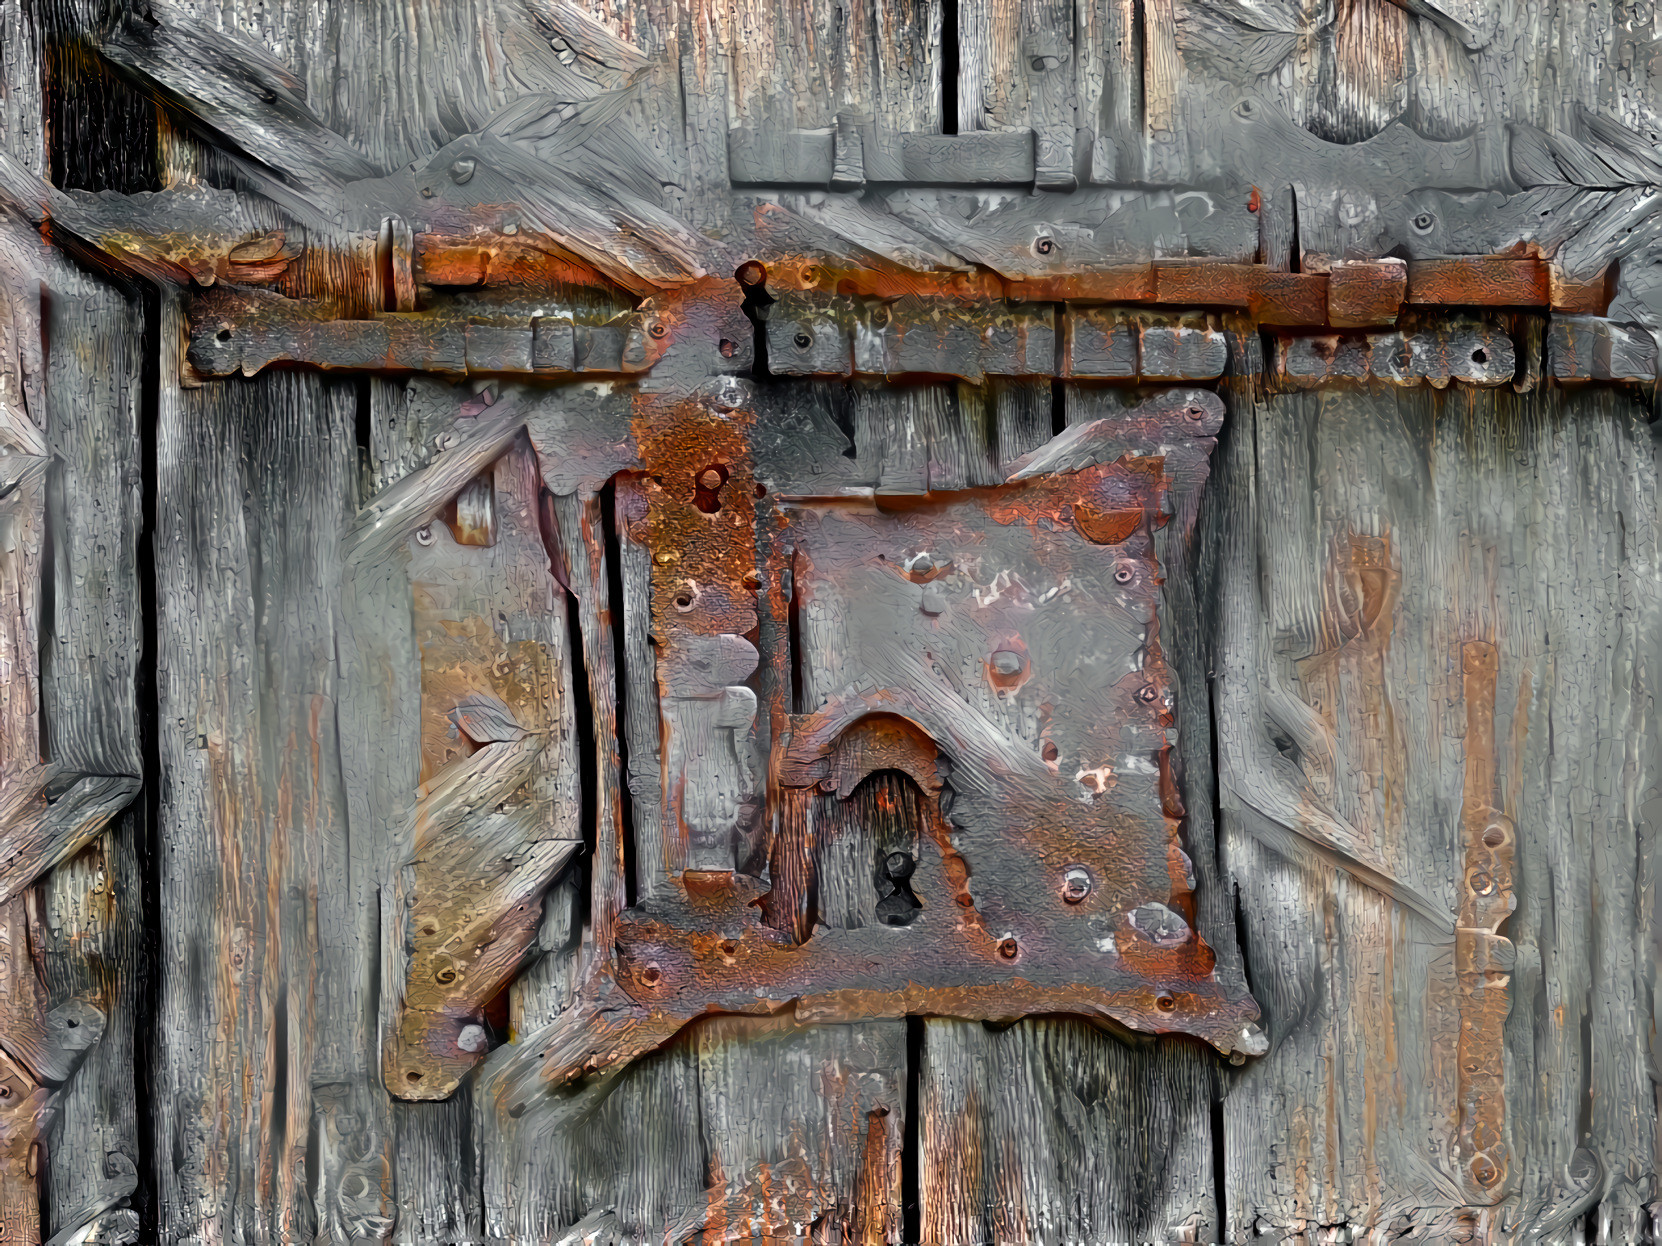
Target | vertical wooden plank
(256,480)
(803,1130)
(91,906)
(24,1104)
(1165,139)
(1109,82)
(640,697)
(1021,417)
(904,92)
(1049,1131)
(992,86)
(1417,551)
(1047,58)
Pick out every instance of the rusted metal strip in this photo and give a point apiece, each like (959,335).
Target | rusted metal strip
(1483,956)
(1268,297)
(826,319)
(1480,282)
(1474,351)
(1362,293)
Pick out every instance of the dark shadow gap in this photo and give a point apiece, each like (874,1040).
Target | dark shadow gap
(949,68)
(753,280)
(101,132)
(911,1151)
(793,627)
(1058,406)
(1295,258)
(364,434)
(148,992)
(280,1073)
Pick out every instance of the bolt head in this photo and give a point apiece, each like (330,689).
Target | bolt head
(1008,662)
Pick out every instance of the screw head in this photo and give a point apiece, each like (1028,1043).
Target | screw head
(1076,885)
(1008,662)
(1007,949)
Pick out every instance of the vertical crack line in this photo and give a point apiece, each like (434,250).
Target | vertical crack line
(620,685)
(911,1151)
(1220,1170)
(583,724)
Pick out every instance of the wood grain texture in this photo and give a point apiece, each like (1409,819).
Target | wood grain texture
(258,483)
(1369,601)
(511,642)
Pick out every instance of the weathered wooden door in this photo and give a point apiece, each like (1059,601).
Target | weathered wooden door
(953,622)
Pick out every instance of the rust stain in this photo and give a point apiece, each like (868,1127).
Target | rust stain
(1483,956)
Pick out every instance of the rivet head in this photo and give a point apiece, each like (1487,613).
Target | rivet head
(424,536)
(472,1038)
(1148,694)
(710,479)
(1166,1002)
(1483,883)
(1007,949)
(1076,884)
(1008,662)
(462,171)
(1484,1171)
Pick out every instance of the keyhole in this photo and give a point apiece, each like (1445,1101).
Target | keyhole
(896,905)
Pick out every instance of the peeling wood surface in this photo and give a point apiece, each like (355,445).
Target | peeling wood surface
(967,622)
